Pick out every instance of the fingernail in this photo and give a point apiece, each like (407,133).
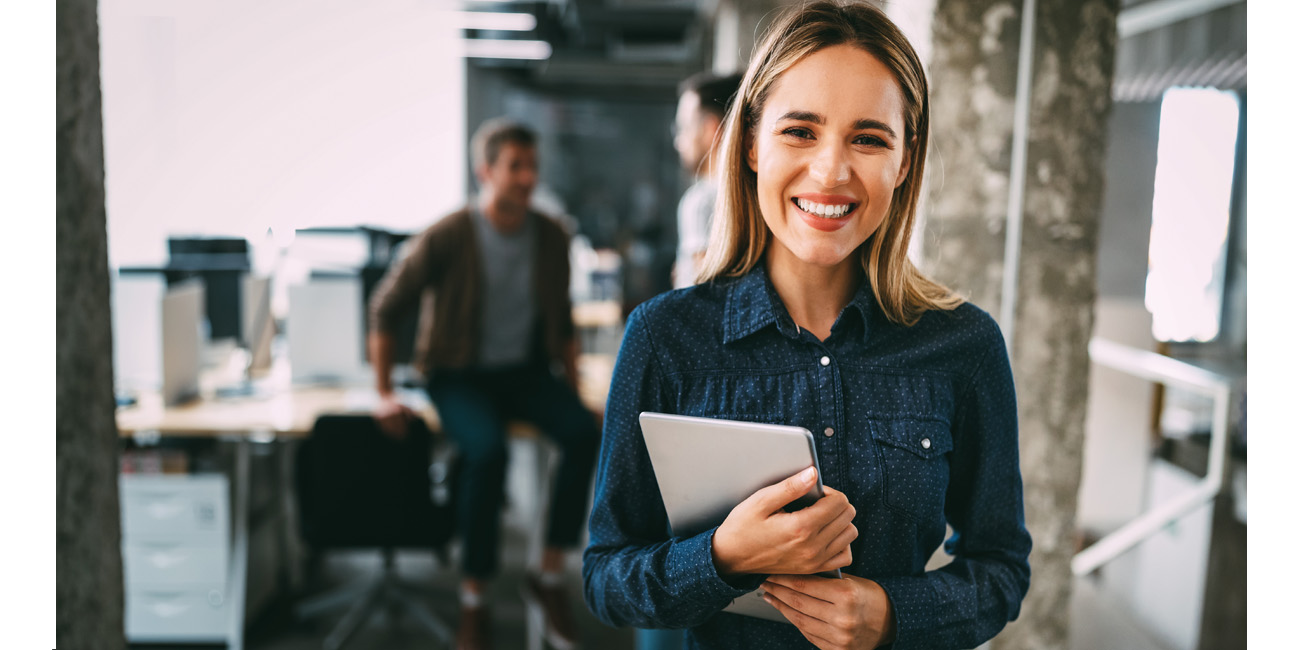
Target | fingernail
(807,475)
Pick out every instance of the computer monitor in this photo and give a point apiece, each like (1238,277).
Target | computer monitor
(368,252)
(182,342)
(137,298)
(259,323)
(222,263)
(157,338)
(325,331)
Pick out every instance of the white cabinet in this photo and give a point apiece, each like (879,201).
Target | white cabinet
(176,557)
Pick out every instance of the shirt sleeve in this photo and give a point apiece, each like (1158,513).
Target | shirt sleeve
(634,573)
(694,216)
(972,598)
(399,290)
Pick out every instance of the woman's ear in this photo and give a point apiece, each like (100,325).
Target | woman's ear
(906,165)
(751,151)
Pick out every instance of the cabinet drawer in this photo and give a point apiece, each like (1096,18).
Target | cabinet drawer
(182,505)
(172,562)
(189,613)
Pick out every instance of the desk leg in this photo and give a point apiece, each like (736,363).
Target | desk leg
(291,575)
(548,459)
(238,578)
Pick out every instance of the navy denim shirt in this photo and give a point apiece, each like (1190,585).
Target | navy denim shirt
(916,425)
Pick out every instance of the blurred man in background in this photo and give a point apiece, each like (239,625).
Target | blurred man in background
(702,103)
(492,281)
(703,99)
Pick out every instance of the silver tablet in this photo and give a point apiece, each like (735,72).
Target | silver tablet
(706,466)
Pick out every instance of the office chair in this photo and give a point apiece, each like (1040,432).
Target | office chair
(358,488)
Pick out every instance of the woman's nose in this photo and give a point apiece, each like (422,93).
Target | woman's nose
(831,166)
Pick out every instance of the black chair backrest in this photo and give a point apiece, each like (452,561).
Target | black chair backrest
(360,488)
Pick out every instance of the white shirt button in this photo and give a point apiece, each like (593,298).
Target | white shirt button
(826,361)
(925,443)
(829,432)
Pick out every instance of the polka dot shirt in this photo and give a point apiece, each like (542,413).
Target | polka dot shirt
(916,425)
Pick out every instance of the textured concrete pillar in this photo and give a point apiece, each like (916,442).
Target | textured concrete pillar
(88,532)
(975,49)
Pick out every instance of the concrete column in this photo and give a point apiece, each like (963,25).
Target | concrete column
(88,531)
(973,79)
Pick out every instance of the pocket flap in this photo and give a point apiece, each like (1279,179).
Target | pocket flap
(925,438)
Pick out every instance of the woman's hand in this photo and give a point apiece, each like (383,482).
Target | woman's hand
(759,536)
(834,614)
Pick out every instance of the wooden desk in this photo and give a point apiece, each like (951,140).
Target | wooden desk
(285,410)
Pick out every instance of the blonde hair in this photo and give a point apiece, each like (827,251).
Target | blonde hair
(739,235)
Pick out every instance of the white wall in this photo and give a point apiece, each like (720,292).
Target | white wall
(232,116)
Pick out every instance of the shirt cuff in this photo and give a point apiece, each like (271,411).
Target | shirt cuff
(915,602)
(691,567)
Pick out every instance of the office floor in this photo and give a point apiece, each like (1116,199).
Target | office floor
(1097,622)
(278,629)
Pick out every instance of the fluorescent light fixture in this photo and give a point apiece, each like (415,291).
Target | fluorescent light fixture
(493,21)
(484,48)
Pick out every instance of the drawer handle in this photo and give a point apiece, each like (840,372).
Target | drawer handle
(168,610)
(165,510)
(166,560)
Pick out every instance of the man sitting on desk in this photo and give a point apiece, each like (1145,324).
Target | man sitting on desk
(493,283)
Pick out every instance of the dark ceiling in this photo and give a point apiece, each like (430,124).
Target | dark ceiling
(609,44)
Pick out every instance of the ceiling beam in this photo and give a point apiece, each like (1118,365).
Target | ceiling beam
(1160,13)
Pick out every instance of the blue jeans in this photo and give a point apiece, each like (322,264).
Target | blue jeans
(474,406)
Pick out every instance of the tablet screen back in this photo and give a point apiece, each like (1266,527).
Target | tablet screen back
(706,466)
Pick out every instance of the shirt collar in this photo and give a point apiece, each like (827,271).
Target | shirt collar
(752,304)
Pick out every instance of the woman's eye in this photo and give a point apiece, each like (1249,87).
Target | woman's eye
(870,141)
(798,132)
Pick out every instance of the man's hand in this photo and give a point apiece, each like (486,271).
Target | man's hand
(759,536)
(834,613)
(392,416)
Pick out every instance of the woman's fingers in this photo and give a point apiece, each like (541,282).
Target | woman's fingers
(802,610)
(773,498)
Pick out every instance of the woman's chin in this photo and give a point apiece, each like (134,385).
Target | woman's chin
(824,258)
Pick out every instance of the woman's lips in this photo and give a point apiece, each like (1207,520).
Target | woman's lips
(824,216)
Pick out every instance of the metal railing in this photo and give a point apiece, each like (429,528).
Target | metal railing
(1159,368)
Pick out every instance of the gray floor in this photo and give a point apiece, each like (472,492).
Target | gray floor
(279,630)
(1097,622)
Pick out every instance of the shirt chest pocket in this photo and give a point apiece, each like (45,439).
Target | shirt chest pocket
(914,455)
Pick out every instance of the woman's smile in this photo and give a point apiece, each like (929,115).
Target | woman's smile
(825,213)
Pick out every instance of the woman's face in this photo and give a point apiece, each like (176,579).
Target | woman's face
(828,152)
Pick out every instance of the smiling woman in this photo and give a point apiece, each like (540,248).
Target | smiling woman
(810,314)
(828,157)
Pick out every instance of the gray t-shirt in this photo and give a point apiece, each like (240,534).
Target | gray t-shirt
(694,217)
(509,306)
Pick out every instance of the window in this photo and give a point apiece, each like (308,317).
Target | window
(1189,216)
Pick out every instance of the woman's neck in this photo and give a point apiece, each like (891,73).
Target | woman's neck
(814,295)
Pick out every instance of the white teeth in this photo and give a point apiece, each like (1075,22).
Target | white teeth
(824,210)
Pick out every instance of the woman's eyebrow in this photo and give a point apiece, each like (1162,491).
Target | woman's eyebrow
(816,118)
(867,123)
(803,116)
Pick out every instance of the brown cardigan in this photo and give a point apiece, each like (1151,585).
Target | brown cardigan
(443,272)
